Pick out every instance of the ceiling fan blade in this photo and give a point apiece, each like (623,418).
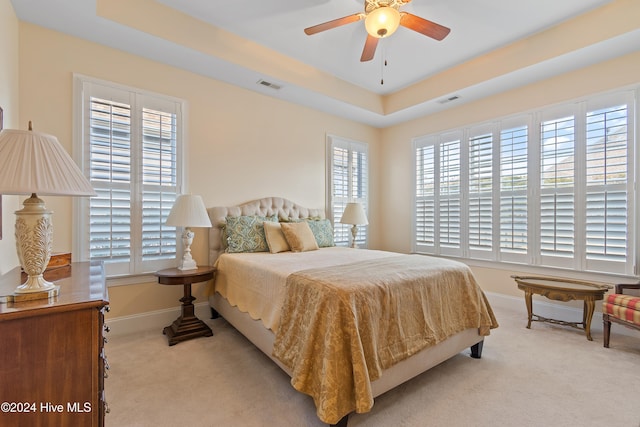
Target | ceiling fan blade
(369,48)
(333,24)
(423,26)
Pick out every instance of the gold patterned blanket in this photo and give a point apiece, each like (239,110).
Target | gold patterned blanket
(341,326)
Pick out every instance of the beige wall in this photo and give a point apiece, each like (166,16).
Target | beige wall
(241,145)
(396,180)
(9,103)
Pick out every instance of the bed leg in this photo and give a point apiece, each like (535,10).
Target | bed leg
(342,423)
(476,350)
(214,313)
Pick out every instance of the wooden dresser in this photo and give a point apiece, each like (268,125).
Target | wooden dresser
(52,361)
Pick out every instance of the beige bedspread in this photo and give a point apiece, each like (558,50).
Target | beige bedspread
(341,326)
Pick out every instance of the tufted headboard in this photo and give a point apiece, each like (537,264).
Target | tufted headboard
(265,207)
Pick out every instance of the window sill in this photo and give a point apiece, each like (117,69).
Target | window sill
(136,279)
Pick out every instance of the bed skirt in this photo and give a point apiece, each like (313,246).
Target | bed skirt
(397,374)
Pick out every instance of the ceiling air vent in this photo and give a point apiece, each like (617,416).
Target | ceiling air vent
(449,99)
(269,84)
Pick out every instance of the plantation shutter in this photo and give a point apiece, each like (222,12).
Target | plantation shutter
(480,201)
(425,197)
(557,199)
(340,197)
(110,176)
(608,185)
(159,177)
(349,182)
(449,200)
(513,193)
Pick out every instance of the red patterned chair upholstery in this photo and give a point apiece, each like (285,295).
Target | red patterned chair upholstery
(622,309)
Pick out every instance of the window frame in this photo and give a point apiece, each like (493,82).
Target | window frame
(533,260)
(83,88)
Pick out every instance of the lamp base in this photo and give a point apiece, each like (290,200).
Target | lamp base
(34,236)
(35,283)
(188,264)
(354,232)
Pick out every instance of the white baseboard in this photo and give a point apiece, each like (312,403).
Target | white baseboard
(553,310)
(151,320)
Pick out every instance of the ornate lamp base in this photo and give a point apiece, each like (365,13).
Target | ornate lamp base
(35,284)
(34,236)
(354,231)
(187,262)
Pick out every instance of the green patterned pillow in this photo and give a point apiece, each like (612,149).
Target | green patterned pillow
(246,233)
(322,231)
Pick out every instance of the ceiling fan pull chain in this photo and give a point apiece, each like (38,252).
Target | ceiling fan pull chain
(383,63)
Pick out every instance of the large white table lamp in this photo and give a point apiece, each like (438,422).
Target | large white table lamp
(354,214)
(34,162)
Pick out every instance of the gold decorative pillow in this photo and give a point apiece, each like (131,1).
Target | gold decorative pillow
(275,238)
(299,236)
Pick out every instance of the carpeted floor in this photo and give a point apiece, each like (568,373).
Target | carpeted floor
(547,376)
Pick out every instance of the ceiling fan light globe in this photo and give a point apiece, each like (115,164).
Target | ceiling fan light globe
(382,22)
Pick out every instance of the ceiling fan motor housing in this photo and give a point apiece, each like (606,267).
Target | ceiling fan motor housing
(371,5)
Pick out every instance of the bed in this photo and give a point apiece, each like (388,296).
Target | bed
(345,324)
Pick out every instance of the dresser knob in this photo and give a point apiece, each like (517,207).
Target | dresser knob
(107,329)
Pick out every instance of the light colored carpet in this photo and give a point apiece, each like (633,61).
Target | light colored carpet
(547,376)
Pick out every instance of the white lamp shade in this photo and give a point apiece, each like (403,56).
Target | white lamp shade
(382,22)
(34,162)
(354,214)
(188,211)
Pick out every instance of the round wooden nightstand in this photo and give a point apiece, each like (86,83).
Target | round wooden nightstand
(186,326)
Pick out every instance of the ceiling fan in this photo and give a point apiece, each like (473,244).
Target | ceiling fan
(381,19)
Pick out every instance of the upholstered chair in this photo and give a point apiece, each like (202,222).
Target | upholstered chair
(622,309)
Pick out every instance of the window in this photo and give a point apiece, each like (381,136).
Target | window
(570,167)
(129,146)
(348,177)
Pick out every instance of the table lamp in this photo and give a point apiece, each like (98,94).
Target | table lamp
(354,214)
(33,162)
(188,211)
